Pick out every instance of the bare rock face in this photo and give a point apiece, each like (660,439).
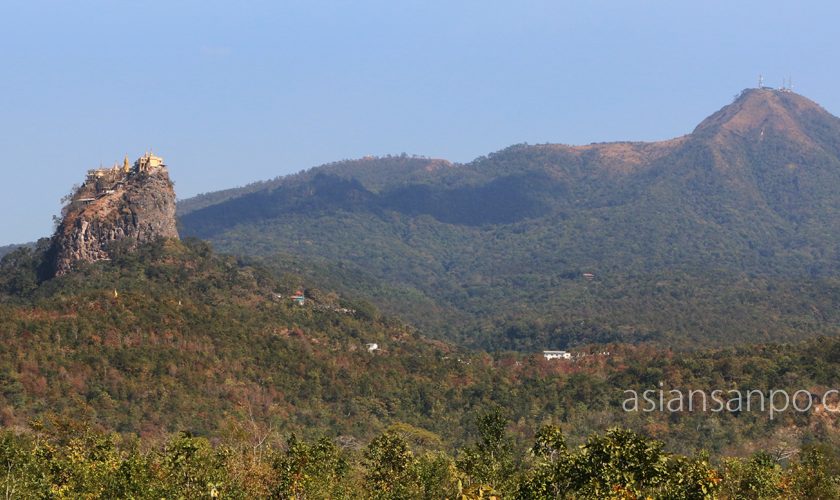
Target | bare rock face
(135,204)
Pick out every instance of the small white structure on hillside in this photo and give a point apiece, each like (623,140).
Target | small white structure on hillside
(557,355)
(372,347)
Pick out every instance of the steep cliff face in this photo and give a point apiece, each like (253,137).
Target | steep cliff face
(131,204)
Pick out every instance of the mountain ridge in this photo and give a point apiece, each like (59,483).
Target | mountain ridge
(736,115)
(751,194)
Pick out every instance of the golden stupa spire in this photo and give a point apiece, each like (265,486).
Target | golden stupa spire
(126,167)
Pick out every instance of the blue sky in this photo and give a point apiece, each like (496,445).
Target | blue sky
(233,92)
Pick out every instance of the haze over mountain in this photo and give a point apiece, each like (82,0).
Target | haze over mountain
(721,235)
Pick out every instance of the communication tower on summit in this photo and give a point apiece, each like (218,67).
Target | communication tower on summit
(787,84)
(761,81)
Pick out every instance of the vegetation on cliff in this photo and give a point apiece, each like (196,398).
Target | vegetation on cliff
(133,204)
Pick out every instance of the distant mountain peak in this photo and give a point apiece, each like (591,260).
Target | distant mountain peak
(756,111)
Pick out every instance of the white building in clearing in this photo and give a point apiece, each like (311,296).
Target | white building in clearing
(557,355)
(372,347)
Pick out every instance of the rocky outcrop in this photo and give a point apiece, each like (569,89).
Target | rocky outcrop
(130,206)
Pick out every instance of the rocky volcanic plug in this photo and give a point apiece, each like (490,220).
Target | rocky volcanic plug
(131,203)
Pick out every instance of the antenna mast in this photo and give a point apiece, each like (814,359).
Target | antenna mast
(760,81)
(787,84)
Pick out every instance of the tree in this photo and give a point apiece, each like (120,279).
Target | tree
(490,460)
(619,464)
(192,468)
(817,473)
(436,475)
(548,479)
(389,467)
(689,479)
(619,461)
(760,476)
(309,471)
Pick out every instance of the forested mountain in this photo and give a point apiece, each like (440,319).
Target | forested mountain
(727,234)
(11,248)
(170,369)
(174,337)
